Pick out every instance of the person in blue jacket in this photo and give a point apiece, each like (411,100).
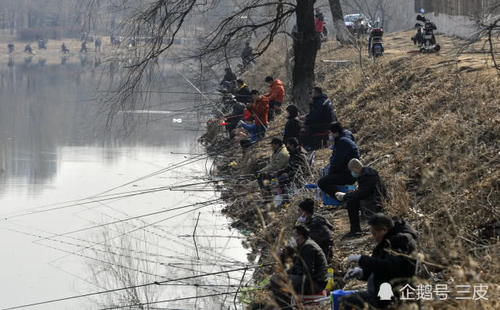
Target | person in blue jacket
(344,150)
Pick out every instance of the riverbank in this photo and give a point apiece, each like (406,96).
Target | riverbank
(431,124)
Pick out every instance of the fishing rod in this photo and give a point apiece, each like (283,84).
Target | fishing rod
(142,227)
(115,264)
(90,294)
(205,203)
(83,200)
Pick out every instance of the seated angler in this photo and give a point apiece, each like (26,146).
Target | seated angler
(320,229)
(279,158)
(292,126)
(250,127)
(298,168)
(308,274)
(368,197)
(228,79)
(345,132)
(28,49)
(389,265)
(243,94)
(259,109)
(338,173)
(234,117)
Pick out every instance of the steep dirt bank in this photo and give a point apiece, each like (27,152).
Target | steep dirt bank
(432,124)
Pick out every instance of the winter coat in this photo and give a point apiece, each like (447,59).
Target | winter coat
(383,266)
(261,109)
(236,115)
(229,76)
(243,94)
(320,230)
(319,25)
(298,166)
(276,91)
(348,134)
(321,115)
(371,190)
(279,160)
(292,129)
(311,262)
(345,150)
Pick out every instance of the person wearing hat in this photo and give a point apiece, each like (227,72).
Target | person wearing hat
(279,159)
(243,92)
(292,126)
(320,229)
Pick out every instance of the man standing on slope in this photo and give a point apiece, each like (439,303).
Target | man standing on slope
(276,96)
(317,122)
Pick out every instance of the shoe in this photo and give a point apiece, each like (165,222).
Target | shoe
(352,235)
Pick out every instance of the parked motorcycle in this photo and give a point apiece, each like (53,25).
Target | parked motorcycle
(375,42)
(425,38)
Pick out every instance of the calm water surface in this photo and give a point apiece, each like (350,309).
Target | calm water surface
(68,188)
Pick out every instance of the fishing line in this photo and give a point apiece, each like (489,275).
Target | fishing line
(128,288)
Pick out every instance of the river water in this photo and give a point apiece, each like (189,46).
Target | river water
(84,208)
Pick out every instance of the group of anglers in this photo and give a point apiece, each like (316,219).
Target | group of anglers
(42,45)
(313,234)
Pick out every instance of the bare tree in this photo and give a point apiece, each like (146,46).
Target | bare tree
(341,32)
(162,20)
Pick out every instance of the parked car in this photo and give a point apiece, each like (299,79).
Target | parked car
(357,23)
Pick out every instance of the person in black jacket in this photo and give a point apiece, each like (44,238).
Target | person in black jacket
(243,92)
(345,132)
(228,79)
(344,150)
(234,117)
(292,126)
(298,166)
(389,262)
(368,197)
(318,120)
(308,273)
(320,229)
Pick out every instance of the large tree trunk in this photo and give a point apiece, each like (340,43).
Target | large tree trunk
(339,29)
(306,43)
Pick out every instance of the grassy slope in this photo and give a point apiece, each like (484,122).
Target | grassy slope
(433,123)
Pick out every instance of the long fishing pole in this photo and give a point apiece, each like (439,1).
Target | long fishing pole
(51,301)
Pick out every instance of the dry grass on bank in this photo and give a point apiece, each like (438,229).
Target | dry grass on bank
(432,124)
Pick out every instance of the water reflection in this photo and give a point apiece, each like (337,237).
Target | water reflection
(45,107)
(55,147)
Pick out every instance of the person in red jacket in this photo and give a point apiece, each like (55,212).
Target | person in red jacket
(260,110)
(276,96)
